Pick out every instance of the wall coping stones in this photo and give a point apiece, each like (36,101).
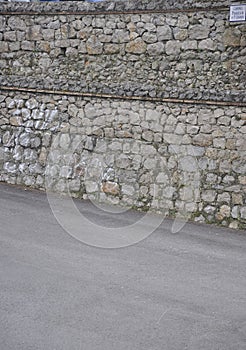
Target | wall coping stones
(108,6)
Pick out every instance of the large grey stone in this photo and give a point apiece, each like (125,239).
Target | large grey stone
(155,49)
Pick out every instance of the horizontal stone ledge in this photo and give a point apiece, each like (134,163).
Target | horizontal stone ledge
(110,12)
(124,97)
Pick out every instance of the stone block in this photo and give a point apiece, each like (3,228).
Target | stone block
(64,141)
(186,194)
(16,23)
(224,212)
(150,163)
(27,45)
(148,135)
(237,199)
(164,33)
(137,46)
(235,212)
(4,47)
(219,143)
(207,44)
(242,180)
(123,161)
(180,34)
(16,121)
(209,209)
(111,49)
(168,192)
(199,31)
(48,34)
(203,140)
(31,103)
(243,213)
(224,197)
(35,142)
(232,37)
(183,21)
(192,129)
(230,144)
(120,36)
(155,49)
(111,188)
(189,164)
(239,166)
(195,151)
(10,36)
(149,38)
(209,196)
(66,171)
(234,225)
(172,138)
(128,190)
(173,47)
(189,45)
(180,129)
(25,139)
(34,33)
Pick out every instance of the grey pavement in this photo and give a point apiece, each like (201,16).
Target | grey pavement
(167,292)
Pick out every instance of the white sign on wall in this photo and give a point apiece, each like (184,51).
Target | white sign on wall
(237,13)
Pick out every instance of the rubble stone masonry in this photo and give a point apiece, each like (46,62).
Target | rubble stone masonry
(138,103)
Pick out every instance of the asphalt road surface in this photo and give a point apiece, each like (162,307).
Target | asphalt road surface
(167,292)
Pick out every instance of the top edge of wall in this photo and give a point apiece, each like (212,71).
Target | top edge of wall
(109,6)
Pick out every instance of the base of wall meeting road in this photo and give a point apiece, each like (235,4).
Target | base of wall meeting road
(124,97)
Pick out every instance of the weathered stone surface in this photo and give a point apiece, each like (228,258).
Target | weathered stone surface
(164,33)
(16,121)
(209,209)
(243,213)
(173,47)
(234,225)
(94,46)
(34,33)
(137,46)
(27,45)
(3,46)
(67,45)
(120,36)
(189,45)
(16,23)
(111,49)
(207,44)
(183,21)
(48,34)
(111,188)
(209,196)
(202,140)
(155,49)
(65,141)
(189,164)
(225,211)
(232,37)
(10,36)
(180,34)
(149,38)
(31,103)
(199,31)
(166,156)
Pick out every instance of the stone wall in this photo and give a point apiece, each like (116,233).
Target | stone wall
(132,146)
(194,54)
(181,159)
